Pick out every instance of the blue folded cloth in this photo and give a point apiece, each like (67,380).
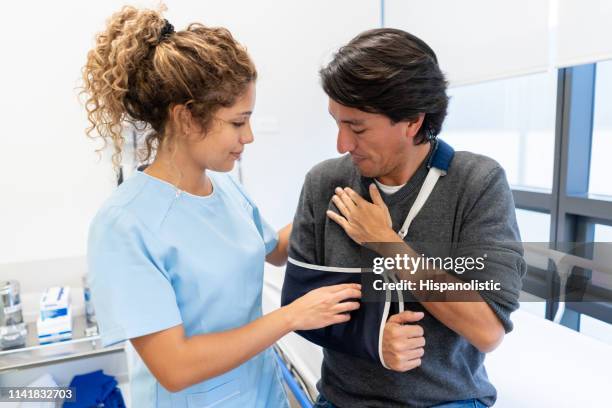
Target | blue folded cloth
(95,389)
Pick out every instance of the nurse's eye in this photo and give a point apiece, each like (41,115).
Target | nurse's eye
(358,131)
(238,124)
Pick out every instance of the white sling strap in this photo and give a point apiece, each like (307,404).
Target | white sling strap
(428,185)
(326,268)
(385,316)
(381,327)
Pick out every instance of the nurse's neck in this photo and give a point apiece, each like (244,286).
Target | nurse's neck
(181,172)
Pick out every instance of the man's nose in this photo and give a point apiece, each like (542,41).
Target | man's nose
(346,142)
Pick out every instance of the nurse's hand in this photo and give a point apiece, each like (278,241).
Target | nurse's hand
(324,306)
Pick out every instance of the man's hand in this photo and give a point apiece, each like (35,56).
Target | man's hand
(361,220)
(402,342)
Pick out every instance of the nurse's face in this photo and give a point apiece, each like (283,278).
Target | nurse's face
(377,146)
(220,146)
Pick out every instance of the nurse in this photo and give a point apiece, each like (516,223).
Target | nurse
(176,254)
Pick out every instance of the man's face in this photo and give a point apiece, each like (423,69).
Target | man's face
(377,147)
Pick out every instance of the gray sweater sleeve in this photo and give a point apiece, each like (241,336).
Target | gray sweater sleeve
(490,228)
(302,243)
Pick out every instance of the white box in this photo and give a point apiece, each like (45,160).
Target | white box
(55,319)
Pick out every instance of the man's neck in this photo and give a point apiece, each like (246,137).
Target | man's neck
(409,164)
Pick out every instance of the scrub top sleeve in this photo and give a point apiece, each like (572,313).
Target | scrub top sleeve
(303,244)
(131,292)
(266,231)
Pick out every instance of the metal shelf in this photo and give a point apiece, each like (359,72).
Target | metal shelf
(35,354)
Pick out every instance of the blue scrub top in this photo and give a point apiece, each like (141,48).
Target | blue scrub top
(159,258)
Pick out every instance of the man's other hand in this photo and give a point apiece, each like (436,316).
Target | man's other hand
(403,341)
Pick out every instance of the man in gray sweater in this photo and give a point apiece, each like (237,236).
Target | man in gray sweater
(388,97)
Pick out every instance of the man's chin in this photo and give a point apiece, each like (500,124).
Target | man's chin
(366,171)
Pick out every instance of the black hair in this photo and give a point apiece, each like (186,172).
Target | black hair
(390,72)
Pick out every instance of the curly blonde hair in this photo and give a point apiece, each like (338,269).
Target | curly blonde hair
(136,73)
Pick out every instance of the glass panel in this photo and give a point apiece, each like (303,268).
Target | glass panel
(603,233)
(534,226)
(601,147)
(602,255)
(588,325)
(535,223)
(510,120)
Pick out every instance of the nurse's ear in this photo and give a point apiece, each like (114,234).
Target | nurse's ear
(183,123)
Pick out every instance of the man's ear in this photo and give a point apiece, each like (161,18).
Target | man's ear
(414,126)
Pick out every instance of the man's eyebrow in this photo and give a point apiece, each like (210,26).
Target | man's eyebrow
(355,122)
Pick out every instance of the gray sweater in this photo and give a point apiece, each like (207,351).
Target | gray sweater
(472,203)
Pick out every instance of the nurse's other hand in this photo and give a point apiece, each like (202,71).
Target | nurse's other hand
(324,306)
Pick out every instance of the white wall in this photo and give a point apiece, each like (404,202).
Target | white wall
(50,181)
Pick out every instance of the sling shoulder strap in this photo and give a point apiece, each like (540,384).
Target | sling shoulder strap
(438,165)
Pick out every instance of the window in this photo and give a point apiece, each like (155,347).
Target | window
(511,121)
(601,146)
(534,226)
(602,254)
(603,233)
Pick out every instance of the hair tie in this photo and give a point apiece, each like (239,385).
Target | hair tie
(166,31)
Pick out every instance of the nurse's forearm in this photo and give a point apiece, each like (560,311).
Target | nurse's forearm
(278,256)
(179,362)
